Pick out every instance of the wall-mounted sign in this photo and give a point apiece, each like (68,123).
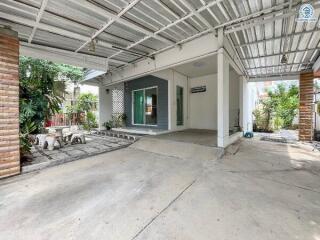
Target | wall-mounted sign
(198,89)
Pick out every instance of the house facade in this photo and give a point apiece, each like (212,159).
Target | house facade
(178,97)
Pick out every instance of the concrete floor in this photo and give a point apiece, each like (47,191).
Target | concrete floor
(196,136)
(265,191)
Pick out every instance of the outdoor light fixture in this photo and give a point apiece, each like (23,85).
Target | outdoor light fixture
(107,90)
(284,59)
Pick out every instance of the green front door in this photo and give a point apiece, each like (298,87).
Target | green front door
(138,98)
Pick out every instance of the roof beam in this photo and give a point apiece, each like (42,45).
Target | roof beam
(50,28)
(173,24)
(75,24)
(60,31)
(266,13)
(40,13)
(109,23)
(63,56)
(102,12)
(275,77)
(196,13)
(210,4)
(280,54)
(277,38)
(173,13)
(263,13)
(275,66)
(47,48)
(256,23)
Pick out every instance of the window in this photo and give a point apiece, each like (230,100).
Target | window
(145,104)
(179,91)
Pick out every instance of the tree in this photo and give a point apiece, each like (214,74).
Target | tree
(86,102)
(285,103)
(42,89)
(278,109)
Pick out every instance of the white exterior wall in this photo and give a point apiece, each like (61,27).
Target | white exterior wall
(182,81)
(105,104)
(234,103)
(176,79)
(203,106)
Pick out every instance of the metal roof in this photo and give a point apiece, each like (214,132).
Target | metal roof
(124,31)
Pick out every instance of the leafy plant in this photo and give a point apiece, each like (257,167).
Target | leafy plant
(108,125)
(278,110)
(25,142)
(285,103)
(42,90)
(86,102)
(91,121)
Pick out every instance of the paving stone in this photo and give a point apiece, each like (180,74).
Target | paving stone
(102,147)
(75,152)
(60,156)
(47,152)
(90,149)
(112,144)
(94,145)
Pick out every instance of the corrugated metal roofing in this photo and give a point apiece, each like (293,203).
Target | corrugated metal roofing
(261,31)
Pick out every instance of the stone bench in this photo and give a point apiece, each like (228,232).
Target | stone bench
(48,141)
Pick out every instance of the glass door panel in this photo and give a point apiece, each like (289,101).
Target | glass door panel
(138,103)
(151,97)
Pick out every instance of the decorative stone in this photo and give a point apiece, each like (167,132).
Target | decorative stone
(41,140)
(51,140)
(78,138)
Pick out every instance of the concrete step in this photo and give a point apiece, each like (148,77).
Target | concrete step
(178,149)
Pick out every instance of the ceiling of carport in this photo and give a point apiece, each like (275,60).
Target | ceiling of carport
(128,31)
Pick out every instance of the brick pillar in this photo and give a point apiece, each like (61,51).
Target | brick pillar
(9,103)
(305,108)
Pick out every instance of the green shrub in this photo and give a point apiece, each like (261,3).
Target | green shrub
(91,121)
(25,143)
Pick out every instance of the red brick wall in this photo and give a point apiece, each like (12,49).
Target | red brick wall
(9,103)
(305,108)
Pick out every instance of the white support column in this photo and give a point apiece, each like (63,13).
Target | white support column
(105,105)
(243,103)
(223,100)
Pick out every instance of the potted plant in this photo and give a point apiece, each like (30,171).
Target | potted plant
(108,125)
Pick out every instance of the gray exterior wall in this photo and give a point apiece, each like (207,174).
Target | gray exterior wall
(145,82)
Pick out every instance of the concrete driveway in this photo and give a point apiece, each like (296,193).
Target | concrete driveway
(264,191)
